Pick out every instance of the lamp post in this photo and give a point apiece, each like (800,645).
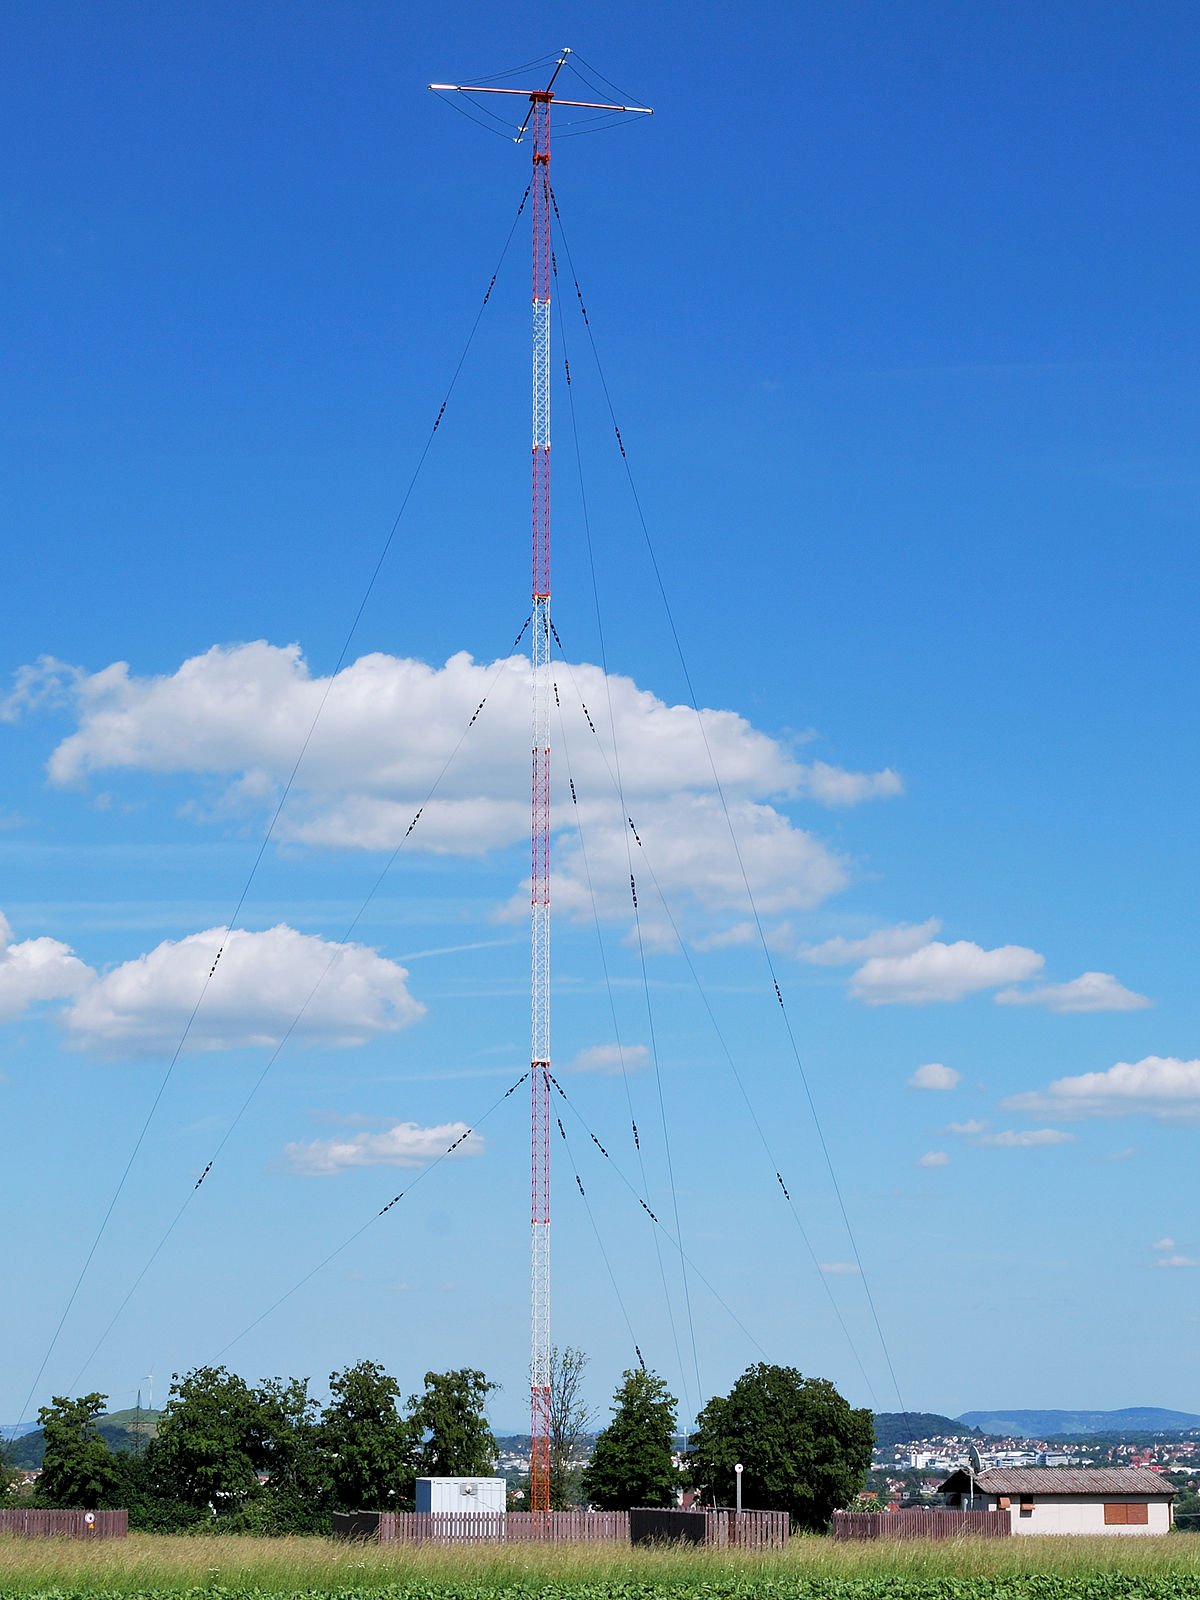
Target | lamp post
(738,1492)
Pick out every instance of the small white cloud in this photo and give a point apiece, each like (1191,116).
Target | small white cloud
(405,1145)
(47,682)
(966,1129)
(838,1269)
(1156,1086)
(266,983)
(652,933)
(900,940)
(834,786)
(1163,1244)
(728,938)
(610,1060)
(934,1158)
(1177,1261)
(1121,1155)
(1091,991)
(942,972)
(34,970)
(1024,1138)
(933,1075)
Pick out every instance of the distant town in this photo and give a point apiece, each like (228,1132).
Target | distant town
(907,1470)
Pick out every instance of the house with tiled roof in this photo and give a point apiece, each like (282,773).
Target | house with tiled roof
(1067,1499)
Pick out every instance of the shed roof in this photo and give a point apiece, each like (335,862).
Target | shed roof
(1062,1480)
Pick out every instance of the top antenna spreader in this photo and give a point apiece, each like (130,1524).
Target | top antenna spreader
(544,96)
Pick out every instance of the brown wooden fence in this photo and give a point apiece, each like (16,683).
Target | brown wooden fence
(933,1523)
(725,1530)
(30,1524)
(485,1527)
(747,1530)
(593,1527)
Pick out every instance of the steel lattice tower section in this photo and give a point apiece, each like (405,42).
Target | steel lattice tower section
(540,1375)
(540,1357)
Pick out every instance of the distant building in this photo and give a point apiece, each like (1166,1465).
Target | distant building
(1068,1499)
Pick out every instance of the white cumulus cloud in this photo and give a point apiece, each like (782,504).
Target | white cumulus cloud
(236,717)
(349,994)
(941,972)
(688,852)
(934,1075)
(611,1059)
(966,1130)
(404,1145)
(1156,1086)
(1177,1261)
(1163,1244)
(934,1158)
(900,940)
(33,970)
(1091,991)
(838,1269)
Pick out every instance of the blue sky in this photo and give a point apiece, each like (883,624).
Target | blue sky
(896,308)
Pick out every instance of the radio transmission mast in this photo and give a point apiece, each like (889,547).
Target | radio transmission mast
(540,101)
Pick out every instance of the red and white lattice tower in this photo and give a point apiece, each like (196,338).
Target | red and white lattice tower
(540,1357)
(539,1255)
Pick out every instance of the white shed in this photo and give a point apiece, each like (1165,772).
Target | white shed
(461,1494)
(1068,1499)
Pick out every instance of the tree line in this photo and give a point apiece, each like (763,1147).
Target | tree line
(269,1458)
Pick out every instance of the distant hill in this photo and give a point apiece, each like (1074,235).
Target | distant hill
(1079,1424)
(907,1427)
(120,1428)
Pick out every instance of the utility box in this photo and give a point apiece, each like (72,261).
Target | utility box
(462,1494)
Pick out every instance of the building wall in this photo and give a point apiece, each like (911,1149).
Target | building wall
(1080,1513)
(461,1494)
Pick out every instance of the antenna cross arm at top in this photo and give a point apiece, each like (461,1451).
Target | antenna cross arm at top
(540,94)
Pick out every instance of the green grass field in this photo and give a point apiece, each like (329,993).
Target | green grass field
(240,1568)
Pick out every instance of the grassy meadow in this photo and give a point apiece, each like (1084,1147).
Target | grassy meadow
(232,1567)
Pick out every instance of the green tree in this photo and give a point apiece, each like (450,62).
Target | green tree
(287,1448)
(450,1428)
(803,1448)
(633,1463)
(151,1500)
(208,1450)
(369,1446)
(77,1468)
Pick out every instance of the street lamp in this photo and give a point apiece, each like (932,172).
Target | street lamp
(738,1480)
